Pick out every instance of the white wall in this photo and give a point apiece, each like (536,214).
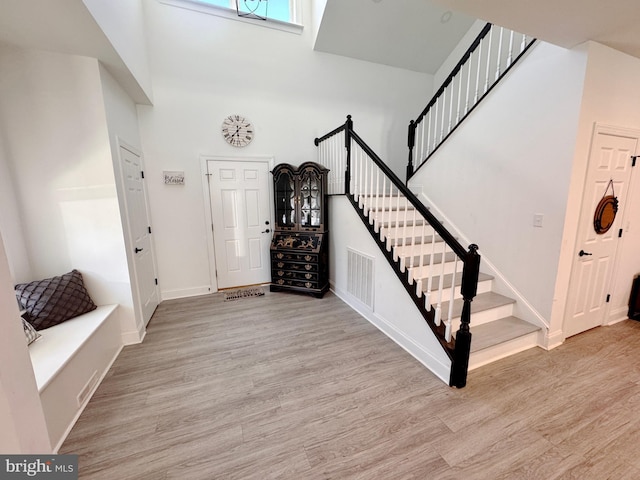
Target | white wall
(393,311)
(122,21)
(53,120)
(611,96)
(22,424)
(512,159)
(206,67)
(10,223)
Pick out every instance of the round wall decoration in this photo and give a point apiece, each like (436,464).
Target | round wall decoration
(606,211)
(237,130)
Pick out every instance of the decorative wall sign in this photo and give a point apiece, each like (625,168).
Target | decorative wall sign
(606,210)
(173,178)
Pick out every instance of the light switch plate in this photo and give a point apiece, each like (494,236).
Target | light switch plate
(537,220)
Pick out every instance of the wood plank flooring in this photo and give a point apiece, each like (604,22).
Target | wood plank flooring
(292,387)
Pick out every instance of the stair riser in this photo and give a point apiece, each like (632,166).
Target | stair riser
(486,316)
(483,287)
(394,216)
(419,231)
(415,250)
(423,272)
(502,350)
(381,203)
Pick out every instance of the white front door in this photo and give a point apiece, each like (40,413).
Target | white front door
(241,214)
(139,234)
(594,262)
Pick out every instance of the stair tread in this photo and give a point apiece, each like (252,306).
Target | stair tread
(499,331)
(482,277)
(481,302)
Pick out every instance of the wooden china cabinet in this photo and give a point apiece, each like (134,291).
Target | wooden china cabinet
(299,248)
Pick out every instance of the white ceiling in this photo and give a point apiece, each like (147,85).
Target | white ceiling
(409,33)
(412,34)
(403,33)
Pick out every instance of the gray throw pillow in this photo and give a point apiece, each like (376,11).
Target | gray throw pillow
(53,300)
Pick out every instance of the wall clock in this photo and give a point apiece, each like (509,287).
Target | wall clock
(237,130)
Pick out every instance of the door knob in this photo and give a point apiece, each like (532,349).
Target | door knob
(136,250)
(267,222)
(266,231)
(583,253)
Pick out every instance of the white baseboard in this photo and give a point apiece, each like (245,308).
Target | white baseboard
(439,369)
(618,315)
(186,292)
(551,340)
(132,337)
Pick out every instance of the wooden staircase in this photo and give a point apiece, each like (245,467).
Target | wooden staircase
(496,332)
(473,324)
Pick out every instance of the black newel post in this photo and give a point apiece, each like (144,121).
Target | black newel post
(411,141)
(348,128)
(460,363)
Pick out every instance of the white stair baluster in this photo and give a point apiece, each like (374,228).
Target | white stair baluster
(421,155)
(499,55)
(428,139)
(466,105)
(452,295)
(442,119)
(451,103)
(510,56)
(383,191)
(460,76)
(489,48)
(377,209)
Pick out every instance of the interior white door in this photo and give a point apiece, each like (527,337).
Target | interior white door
(139,233)
(241,215)
(594,262)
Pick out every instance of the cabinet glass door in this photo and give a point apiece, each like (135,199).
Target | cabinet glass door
(310,200)
(285,201)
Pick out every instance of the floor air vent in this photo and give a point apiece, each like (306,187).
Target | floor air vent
(360,276)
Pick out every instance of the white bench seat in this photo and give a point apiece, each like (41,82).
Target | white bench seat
(69,361)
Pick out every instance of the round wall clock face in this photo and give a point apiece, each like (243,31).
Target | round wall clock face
(237,130)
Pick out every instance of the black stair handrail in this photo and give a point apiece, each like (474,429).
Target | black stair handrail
(459,350)
(439,93)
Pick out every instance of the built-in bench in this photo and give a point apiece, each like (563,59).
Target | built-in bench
(69,361)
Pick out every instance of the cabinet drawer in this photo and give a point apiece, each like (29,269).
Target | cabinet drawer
(307,276)
(298,267)
(295,283)
(294,257)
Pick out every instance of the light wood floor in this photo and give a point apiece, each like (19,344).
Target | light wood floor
(291,387)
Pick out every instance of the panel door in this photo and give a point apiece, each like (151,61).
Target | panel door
(139,233)
(610,159)
(240,206)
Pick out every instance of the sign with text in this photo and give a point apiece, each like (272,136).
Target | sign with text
(49,467)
